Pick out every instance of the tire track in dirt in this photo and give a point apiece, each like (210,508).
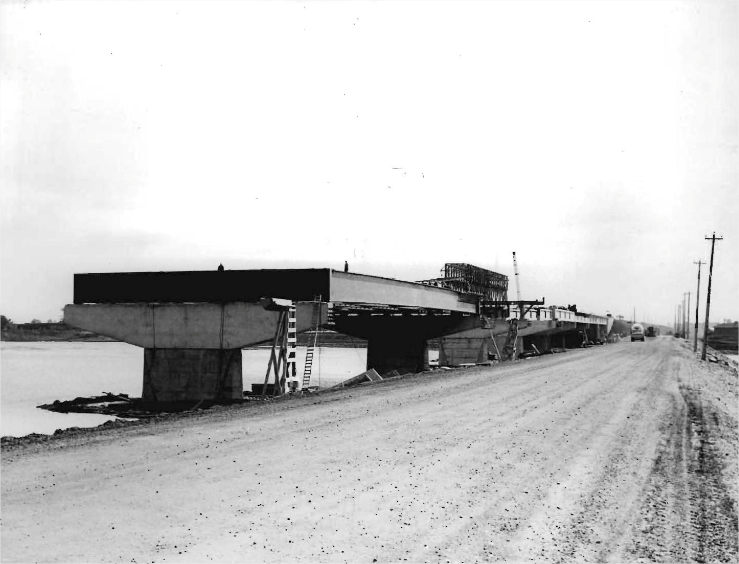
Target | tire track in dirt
(593,507)
(654,406)
(543,474)
(687,514)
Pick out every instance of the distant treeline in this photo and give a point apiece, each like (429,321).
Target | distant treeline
(52,331)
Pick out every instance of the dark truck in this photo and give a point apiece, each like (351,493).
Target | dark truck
(650,332)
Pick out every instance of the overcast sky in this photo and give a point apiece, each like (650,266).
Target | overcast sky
(598,140)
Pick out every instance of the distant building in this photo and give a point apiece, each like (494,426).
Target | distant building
(725,336)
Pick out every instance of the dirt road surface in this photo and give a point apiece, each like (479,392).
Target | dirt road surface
(620,453)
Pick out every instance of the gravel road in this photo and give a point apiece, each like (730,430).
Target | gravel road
(620,453)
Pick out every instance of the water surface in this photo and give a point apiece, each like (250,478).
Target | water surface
(32,374)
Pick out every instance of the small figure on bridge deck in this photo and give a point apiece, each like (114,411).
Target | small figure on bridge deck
(346,266)
(220,268)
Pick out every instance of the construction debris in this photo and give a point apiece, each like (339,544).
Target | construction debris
(370,375)
(120,405)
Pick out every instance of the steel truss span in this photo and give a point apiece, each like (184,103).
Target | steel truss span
(471,279)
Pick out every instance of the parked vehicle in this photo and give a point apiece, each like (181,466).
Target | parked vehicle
(637,332)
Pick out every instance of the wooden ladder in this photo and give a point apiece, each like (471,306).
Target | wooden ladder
(312,344)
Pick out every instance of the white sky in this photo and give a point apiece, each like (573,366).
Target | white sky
(598,140)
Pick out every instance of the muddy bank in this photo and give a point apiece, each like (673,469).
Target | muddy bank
(134,413)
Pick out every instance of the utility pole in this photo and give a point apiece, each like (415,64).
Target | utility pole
(686,317)
(713,239)
(676,307)
(687,320)
(697,301)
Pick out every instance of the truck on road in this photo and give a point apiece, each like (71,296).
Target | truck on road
(637,332)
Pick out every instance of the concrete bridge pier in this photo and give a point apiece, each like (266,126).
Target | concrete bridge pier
(404,353)
(400,342)
(596,332)
(192,351)
(393,343)
(187,374)
(542,341)
(572,339)
(454,350)
(472,342)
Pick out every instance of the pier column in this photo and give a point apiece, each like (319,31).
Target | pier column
(598,332)
(393,351)
(472,345)
(400,342)
(454,351)
(396,342)
(192,374)
(541,341)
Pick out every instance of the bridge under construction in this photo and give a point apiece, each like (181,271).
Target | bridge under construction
(193,324)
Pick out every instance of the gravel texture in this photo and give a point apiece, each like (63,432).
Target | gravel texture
(620,453)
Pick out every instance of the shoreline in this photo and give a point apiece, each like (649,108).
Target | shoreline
(11,443)
(35,374)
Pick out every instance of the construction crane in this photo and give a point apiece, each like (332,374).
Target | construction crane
(509,348)
(515,271)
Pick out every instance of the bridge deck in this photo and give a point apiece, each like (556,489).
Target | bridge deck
(252,285)
(300,285)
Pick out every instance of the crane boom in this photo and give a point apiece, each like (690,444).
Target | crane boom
(515,270)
